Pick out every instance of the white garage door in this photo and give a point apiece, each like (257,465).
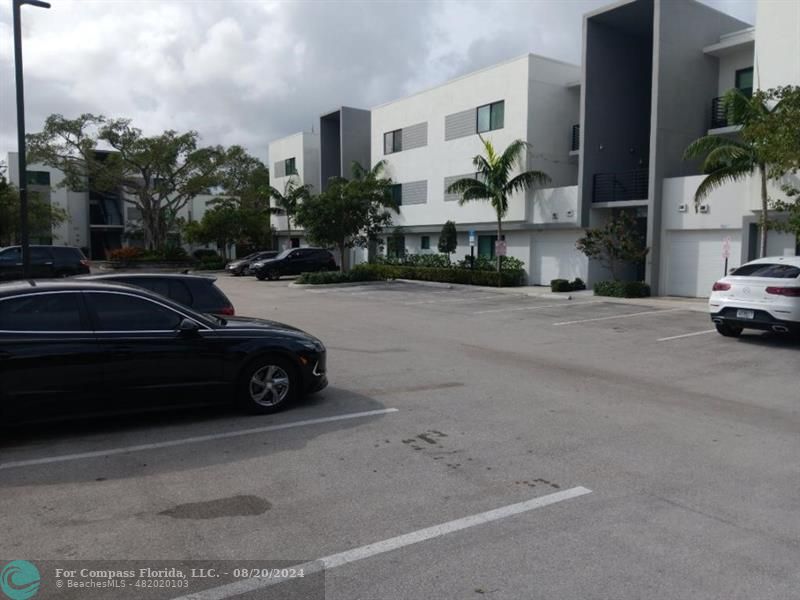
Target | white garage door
(694,260)
(554,256)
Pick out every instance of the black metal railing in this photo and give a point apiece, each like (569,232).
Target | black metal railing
(719,113)
(617,187)
(576,138)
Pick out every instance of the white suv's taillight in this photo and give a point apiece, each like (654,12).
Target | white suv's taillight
(720,286)
(791,292)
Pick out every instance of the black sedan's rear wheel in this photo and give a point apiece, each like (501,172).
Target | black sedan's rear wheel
(729,330)
(274,275)
(268,384)
(260,276)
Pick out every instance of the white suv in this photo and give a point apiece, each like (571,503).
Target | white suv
(762,294)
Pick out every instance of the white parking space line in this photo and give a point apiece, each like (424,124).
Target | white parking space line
(625,316)
(449,300)
(536,306)
(686,335)
(401,541)
(192,440)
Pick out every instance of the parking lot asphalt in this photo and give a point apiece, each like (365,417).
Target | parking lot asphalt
(471,444)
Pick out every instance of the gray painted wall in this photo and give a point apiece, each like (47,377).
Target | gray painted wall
(684,82)
(355,132)
(330,148)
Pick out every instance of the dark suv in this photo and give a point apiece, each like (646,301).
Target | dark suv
(46,261)
(195,291)
(293,262)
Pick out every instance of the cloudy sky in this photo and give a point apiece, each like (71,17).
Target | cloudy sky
(249,71)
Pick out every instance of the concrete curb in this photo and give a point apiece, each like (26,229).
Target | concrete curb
(343,284)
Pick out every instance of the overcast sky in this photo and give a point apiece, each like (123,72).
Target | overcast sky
(249,71)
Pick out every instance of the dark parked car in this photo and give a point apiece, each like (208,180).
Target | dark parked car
(108,347)
(294,261)
(195,291)
(46,262)
(241,266)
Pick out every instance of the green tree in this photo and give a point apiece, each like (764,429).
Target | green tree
(494,182)
(448,239)
(222,224)
(245,179)
(288,201)
(42,216)
(157,174)
(349,212)
(615,244)
(767,146)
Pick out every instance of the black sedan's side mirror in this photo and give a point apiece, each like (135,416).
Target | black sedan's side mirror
(188,326)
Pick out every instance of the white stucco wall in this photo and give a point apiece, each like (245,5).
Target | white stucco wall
(777,43)
(304,148)
(729,63)
(511,82)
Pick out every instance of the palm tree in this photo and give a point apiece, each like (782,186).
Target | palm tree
(727,160)
(286,202)
(493,181)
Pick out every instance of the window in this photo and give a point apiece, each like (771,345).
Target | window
(290,167)
(486,245)
(41,312)
(771,270)
(491,116)
(396,246)
(396,193)
(295,242)
(744,81)
(120,312)
(425,242)
(39,178)
(393,141)
(40,255)
(11,255)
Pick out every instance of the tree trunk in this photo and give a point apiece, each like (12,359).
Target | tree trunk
(764,221)
(499,258)
(289,229)
(341,255)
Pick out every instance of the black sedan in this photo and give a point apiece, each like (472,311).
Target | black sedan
(241,266)
(110,347)
(294,261)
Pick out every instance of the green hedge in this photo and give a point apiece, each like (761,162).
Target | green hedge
(564,285)
(323,277)
(445,275)
(622,289)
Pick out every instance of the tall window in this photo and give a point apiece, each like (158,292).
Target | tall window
(425,242)
(744,81)
(486,245)
(491,116)
(38,178)
(393,141)
(396,193)
(290,167)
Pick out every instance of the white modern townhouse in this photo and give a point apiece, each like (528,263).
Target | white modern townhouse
(294,159)
(429,139)
(611,134)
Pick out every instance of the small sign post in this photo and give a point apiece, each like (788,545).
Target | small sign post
(500,248)
(472,249)
(726,252)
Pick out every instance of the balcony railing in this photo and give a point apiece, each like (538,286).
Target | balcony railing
(719,113)
(576,138)
(618,187)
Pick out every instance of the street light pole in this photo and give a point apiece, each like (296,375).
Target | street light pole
(23,166)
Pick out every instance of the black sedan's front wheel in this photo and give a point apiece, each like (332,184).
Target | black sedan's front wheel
(267,385)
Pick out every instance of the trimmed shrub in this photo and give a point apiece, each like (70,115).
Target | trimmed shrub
(622,289)
(447,275)
(484,263)
(325,277)
(562,285)
(211,263)
(126,253)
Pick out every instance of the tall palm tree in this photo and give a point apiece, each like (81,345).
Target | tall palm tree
(728,159)
(493,181)
(286,202)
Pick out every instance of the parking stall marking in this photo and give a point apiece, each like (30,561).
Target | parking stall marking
(421,535)
(625,316)
(685,335)
(192,440)
(470,299)
(536,306)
